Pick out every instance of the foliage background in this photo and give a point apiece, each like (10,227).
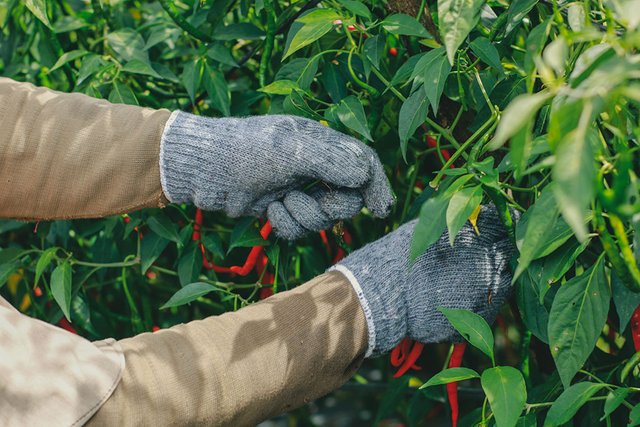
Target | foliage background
(529,104)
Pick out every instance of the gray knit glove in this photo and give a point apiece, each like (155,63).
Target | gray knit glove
(262,164)
(400,301)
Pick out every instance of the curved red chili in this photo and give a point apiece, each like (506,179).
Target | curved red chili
(405,355)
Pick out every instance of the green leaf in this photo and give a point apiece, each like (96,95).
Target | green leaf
(39,10)
(163,227)
(457,19)
(461,206)
(122,94)
(534,313)
(507,393)
(374,49)
(136,66)
(218,90)
(334,82)
(450,375)
(238,31)
(406,70)
(577,316)
(6,270)
(614,400)
(189,293)
(521,111)
(128,44)
(190,264)
(316,24)
(634,416)
(574,174)
(220,53)
(518,9)
(10,254)
(150,249)
(534,227)
(280,87)
(61,287)
(435,75)
(625,300)
(245,234)
(68,57)
(191,78)
(213,244)
(570,401)
(413,113)
(351,114)
(487,52)
(357,8)
(430,225)
(404,25)
(472,327)
(44,261)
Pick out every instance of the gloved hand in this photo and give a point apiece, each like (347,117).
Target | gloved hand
(401,300)
(261,164)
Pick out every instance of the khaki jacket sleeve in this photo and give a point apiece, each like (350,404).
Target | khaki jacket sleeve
(72,156)
(240,368)
(51,377)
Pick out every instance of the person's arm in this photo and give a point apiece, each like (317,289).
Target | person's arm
(72,156)
(240,368)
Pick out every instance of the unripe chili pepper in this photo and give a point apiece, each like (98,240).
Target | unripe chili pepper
(393,51)
(452,388)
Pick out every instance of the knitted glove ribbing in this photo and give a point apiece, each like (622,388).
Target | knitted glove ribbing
(400,299)
(261,164)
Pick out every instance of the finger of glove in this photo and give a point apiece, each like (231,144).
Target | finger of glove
(306,211)
(342,162)
(339,204)
(284,225)
(378,196)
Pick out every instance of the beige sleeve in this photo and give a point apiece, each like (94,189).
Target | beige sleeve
(240,368)
(50,377)
(72,156)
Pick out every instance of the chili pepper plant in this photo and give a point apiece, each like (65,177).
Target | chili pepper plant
(530,105)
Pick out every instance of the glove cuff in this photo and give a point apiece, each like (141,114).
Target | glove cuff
(383,308)
(189,154)
(366,308)
(163,168)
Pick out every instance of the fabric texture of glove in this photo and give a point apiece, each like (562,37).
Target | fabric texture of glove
(262,164)
(401,300)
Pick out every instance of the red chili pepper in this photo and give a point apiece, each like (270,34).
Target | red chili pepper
(242,270)
(432,143)
(635,328)
(351,27)
(64,324)
(155,328)
(405,355)
(393,51)
(37,291)
(452,388)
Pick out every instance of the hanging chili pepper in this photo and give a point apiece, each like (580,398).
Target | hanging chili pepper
(635,328)
(452,388)
(242,270)
(405,355)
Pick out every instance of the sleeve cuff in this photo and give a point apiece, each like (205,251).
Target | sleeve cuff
(368,314)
